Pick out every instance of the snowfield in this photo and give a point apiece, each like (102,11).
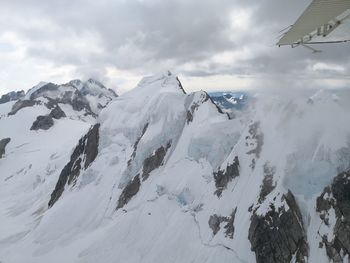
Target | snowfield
(175,179)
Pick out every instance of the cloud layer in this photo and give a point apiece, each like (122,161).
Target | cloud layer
(225,44)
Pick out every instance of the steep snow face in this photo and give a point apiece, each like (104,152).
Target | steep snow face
(33,154)
(174,178)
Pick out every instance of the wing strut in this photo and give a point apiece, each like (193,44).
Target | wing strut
(320,19)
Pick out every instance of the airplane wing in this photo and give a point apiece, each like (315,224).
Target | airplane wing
(320,17)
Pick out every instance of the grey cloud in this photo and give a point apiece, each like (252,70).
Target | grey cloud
(180,30)
(148,35)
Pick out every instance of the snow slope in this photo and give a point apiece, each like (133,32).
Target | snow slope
(174,179)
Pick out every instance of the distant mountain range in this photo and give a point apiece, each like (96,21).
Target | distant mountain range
(229,100)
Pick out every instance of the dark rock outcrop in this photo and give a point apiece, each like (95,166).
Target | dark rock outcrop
(189,116)
(336,197)
(223,177)
(180,85)
(79,103)
(57,113)
(3,144)
(11,96)
(154,161)
(279,235)
(45,122)
(267,185)
(20,104)
(214,223)
(42,123)
(149,164)
(255,138)
(83,155)
(216,220)
(129,191)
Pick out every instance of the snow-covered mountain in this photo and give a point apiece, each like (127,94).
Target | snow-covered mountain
(164,176)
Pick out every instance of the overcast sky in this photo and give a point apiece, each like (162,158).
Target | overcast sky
(210,44)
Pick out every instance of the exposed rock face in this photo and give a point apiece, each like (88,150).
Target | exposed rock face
(189,116)
(42,123)
(154,161)
(180,85)
(45,122)
(214,223)
(149,164)
(267,185)
(223,177)
(57,113)
(11,96)
(83,155)
(129,191)
(216,220)
(255,139)
(22,104)
(3,144)
(279,235)
(79,103)
(337,197)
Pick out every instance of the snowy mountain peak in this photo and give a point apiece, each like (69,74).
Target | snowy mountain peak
(163,82)
(90,96)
